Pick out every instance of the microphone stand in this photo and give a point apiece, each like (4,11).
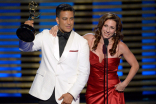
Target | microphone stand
(105,65)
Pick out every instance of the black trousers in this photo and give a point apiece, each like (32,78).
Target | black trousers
(51,100)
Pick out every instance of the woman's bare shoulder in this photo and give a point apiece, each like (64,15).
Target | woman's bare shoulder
(89,36)
(122,45)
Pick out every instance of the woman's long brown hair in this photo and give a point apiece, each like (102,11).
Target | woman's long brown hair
(116,37)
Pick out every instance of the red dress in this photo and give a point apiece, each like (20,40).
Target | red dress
(95,85)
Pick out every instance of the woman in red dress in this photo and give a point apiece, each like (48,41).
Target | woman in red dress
(109,27)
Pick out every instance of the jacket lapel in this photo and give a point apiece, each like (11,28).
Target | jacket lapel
(56,48)
(67,47)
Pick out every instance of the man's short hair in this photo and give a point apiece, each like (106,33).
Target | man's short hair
(63,7)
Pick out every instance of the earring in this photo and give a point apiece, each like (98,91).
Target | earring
(115,34)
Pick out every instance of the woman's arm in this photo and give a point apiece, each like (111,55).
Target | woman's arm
(130,58)
(54,30)
(89,37)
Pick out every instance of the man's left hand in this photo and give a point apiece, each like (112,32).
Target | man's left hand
(67,98)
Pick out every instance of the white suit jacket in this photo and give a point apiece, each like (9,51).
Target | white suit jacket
(67,74)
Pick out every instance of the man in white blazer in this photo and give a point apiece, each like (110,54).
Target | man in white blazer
(64,68)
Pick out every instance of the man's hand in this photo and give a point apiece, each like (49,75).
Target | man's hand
(29,22)
(67,98)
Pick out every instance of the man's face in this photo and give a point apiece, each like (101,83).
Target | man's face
(66,21)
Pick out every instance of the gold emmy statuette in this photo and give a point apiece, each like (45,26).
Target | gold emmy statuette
(25,32)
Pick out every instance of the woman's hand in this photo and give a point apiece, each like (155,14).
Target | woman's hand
(54,30)
(120,87)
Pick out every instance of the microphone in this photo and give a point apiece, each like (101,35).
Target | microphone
(105,45)
(105,65)
(106,42)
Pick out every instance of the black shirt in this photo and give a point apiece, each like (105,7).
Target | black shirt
(63,38)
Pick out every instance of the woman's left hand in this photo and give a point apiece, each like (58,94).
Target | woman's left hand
(120,87)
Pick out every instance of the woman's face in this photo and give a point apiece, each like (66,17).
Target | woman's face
(109,28)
